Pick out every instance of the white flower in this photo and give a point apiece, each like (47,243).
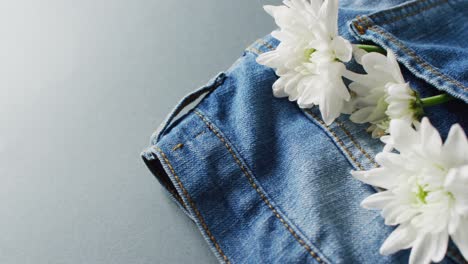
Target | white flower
(358,53)
(309,59)
(427,190)
(382,94)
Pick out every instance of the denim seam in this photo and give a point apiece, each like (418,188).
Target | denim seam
(192,204)
(257,189)
(356,144)
(342,145)
(266,44)
(174,194)
(253,49)
(262,43)
(362,26)
(336,139)
(421,62)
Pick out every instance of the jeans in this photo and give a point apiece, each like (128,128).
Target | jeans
(268,182)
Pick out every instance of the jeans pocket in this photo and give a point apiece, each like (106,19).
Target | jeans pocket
(429,38)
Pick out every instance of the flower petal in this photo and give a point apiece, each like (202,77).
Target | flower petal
(361,116)
(407,215)
(422,250)
(456,182)
(401,238)
(393,65)
(329,14)
(391,161)
(430,138)
(334,71)
(278,88)
(375,177)
(268,58)
(378,200)
(460,237)
(455,148)
(343,49)
(403,135)
(375,64)
(330,108)
(358,53)
(441,239)
(392,211)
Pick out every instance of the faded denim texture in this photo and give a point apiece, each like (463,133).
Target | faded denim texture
(267,182)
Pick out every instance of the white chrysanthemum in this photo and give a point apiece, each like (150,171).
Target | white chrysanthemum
(309,59)
(427,190)
(382,94)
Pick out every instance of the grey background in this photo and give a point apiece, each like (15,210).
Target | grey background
(83,84)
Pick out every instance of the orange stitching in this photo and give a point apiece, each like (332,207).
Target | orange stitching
(202,221)
(264,198)
(355,143)
(337,139)
(423,63)
(252,47)
(263,43)
(357,24)
(266,44)
(178,146)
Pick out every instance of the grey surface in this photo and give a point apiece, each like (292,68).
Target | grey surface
(83,84)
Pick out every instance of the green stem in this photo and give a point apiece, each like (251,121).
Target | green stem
(372,48)
(435,100)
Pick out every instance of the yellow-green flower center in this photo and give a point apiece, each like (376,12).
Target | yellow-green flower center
(309,52)
(422,194)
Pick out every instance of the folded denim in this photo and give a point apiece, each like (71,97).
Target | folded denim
(267,182)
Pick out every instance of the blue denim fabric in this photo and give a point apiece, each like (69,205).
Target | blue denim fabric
(267,182)
(429,38)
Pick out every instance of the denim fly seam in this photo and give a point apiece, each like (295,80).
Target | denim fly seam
(441,66)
